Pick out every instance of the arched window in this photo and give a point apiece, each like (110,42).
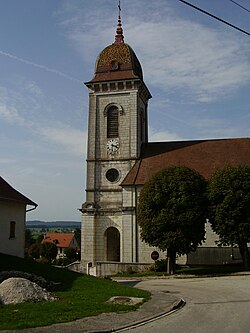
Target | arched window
(112,122)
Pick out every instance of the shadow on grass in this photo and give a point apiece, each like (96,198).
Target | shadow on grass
(62,277)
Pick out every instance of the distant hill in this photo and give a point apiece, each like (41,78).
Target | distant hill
(53,224)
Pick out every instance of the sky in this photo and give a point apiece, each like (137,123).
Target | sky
(196,68)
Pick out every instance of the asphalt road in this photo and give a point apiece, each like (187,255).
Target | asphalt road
(220,305)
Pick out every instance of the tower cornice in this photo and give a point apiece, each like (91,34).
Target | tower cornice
(119,86)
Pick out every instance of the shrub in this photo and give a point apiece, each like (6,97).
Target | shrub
(70,253)
(48,251)
(34,250)
(159,266)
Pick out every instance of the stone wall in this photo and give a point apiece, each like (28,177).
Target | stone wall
(104,269)
(214,256)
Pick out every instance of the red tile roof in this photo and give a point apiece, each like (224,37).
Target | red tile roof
(205,156)
(7,192)
(60,239)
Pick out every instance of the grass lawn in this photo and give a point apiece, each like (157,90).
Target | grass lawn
(79,296)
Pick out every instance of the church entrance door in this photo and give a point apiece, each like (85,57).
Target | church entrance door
(113,244)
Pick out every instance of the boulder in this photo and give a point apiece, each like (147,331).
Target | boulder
(19,290)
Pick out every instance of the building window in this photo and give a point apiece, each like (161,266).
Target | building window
(12,229)
(112,122)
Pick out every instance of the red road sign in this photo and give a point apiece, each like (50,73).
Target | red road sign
(155,255)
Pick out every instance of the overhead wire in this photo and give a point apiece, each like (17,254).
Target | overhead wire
(236,3)
(215,17)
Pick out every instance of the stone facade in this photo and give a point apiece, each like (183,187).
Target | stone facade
(117,128)
(109,232)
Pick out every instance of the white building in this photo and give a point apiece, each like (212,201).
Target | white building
(13,209)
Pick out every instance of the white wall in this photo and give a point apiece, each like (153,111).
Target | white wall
(12,212)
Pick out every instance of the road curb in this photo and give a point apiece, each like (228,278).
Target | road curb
(180,303)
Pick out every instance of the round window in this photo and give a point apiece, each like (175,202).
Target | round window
(112,175)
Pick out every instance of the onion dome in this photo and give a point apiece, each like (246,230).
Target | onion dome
(117,61)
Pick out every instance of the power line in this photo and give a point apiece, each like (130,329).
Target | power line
(215,17)
(236,3)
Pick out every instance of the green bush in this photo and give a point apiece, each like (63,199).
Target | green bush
(159,266)
(48,251)
(34,250)
(61,261)
(70,253)
(43,260)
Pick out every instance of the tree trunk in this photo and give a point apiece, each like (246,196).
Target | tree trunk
(245,255)
(171,256)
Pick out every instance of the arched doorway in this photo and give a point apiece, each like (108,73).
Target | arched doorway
(113,244)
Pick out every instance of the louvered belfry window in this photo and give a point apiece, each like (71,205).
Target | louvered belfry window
(112,122)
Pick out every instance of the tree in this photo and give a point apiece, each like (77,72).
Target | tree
(229,208)
(172,211)
(29,240)
(78,237)
(71,253)
(77,234)
(39,238)
(34,250)
(48,251)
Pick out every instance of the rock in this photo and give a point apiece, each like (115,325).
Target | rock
(19,290)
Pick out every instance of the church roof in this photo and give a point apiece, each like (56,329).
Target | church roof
(117,61)
(7,192)
(205,156)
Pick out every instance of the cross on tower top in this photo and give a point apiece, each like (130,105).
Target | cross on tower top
(119,38)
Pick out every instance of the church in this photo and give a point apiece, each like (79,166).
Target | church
(120,160)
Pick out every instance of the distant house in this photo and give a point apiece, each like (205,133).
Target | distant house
(13,209)
(62,241)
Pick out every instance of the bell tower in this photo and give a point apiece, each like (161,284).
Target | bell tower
(117,126)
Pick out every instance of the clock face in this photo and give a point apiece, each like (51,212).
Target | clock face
(113,146)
